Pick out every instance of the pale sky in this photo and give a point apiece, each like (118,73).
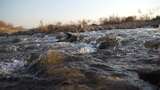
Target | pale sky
(28,13)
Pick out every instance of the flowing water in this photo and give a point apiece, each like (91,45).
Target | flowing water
(128,57)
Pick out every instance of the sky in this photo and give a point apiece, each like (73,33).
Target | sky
(28,13)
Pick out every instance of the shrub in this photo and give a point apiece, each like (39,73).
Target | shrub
(156,18)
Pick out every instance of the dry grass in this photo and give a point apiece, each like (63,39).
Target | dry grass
(9,31)
(9,28)
(53,57)
(84,25)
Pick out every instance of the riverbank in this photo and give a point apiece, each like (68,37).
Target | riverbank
(106,24)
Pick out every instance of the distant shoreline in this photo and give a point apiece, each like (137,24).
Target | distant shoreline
(127,23)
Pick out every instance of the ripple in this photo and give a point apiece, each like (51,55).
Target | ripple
(11,66)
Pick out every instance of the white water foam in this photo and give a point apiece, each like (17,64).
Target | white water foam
(9,67)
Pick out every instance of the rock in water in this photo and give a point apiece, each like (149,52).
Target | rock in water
(51,62)
(45,62)
(107,42)
(67,37)
(152,77)
(52,57)
(153,44)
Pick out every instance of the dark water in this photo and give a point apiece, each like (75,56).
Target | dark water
(128,61)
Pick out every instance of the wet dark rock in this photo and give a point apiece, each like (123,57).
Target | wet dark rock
(102,66)
(26,83)
(67,37)
(33,57)
(16,40)
(153,44)
(74,87)
(99,82)
(107,42)
(152,77)
(4,34)
(47,62)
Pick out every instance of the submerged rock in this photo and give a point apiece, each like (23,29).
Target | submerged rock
(153,44)
(107,42)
